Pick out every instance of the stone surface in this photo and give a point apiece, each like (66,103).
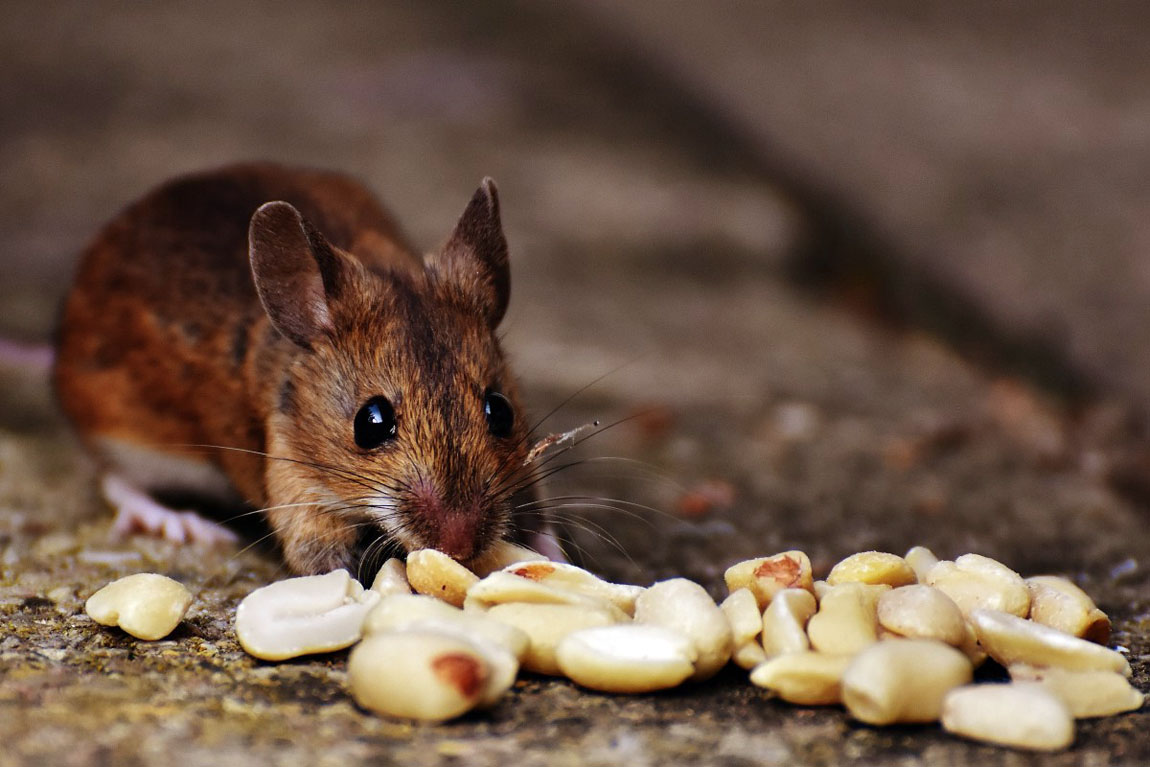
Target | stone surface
(995,153)
(650,257)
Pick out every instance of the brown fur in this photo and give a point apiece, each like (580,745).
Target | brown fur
(164,344)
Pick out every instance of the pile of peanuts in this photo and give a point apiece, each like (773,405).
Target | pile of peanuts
(893,639)
(896,640)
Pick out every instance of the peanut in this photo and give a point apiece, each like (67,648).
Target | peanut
(748,655)
(921,560)
(922,612)
(873,567)
(846,621)
(1084,693)
(804,678)
(767,576)
(300,616)
(146,605)
(437,575)
(418,675)
(506,588)
(567,577)
(1009,640)
(743,615)
(1059,604)
(974,581)
(401,611)
(785,620)
(685,607)
(391,579)
(626,658)
(546,625)
(903,680)
(1018,715)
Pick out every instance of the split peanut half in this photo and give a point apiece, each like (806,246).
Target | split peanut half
(301,616)
(146,605)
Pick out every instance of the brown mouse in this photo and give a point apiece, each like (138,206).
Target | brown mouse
(355,392)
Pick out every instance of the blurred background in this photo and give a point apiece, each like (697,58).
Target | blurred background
(851,275)
(788,238)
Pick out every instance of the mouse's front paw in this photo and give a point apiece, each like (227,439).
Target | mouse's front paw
(138,512)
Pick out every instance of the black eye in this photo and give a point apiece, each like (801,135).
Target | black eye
(374,423)
(500,416)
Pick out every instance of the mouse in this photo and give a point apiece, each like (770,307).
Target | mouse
(263,336)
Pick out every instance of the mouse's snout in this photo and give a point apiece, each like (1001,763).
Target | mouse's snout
(455,528)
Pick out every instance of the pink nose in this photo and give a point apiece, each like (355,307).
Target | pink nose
(457,536)
(451,529)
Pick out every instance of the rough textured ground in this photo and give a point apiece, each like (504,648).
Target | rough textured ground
(651,244)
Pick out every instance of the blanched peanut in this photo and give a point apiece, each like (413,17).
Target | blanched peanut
(685,607)
(1009,640)
(1058,603)
(505,588)
(846,621)
(626,658)
(743,615)
(1018,715)
(1084,693)
(971,648)
(502,663)
(437,575)
(974,581)
(820,589)
(391,579)
(902,680)
(568,577)
(922,612)
(767,576)
(921,560)
(804,678)
(146,605)
(748,655)
(546,625)
(785,620)
(503,554)
(402,611)
(874,567)
(300,616)
(417,675)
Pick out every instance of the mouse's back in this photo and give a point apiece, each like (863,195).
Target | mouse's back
(157,330)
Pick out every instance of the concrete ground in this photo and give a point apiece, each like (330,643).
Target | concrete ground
(967,374)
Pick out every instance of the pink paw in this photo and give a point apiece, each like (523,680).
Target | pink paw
(138,512)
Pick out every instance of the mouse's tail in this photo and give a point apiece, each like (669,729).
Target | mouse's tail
(30,356)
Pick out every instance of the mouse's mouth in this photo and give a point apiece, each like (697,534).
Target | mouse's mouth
(373,547)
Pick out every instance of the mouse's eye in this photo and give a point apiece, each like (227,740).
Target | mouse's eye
(500,416)
(375,423)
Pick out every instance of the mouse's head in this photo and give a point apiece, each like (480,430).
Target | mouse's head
(398,420)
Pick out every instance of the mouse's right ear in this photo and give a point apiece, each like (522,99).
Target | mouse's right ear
(296,271)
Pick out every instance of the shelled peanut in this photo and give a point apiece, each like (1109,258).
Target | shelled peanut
(893,639)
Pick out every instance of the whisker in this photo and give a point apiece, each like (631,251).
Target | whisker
(584,388)
(601,534)
(351,476)
(623,505)
(596,507)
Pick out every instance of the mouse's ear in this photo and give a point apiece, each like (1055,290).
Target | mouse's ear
(475,256)
(296,272)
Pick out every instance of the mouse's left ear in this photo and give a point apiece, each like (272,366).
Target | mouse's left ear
(475,256)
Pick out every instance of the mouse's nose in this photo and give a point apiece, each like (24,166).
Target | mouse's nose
(448,528)
(457,535)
